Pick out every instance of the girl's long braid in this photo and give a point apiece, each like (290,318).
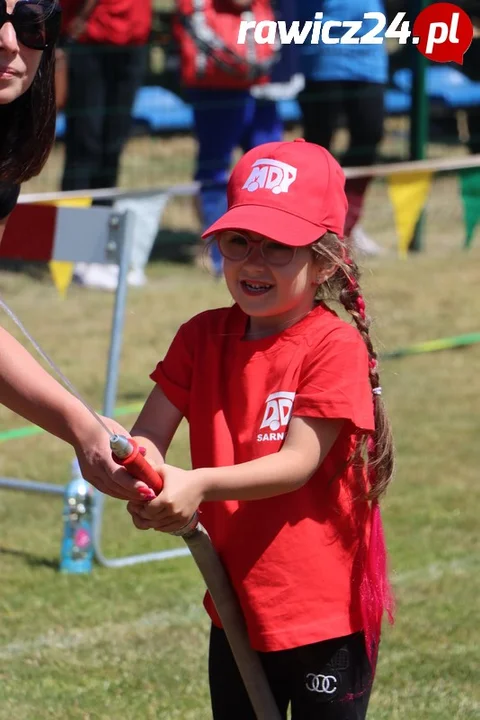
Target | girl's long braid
(380,450)
(375,592)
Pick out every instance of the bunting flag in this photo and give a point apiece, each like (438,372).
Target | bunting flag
(408,193)
(148,212)
(469,179)
(61,233)
(62,270)
(30,233)
(62,274)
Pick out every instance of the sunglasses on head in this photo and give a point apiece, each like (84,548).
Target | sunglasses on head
(236,247)
(36,22)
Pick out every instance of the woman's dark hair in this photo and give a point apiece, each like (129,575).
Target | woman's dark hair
(28,126)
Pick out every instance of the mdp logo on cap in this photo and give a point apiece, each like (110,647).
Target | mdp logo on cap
(271,175)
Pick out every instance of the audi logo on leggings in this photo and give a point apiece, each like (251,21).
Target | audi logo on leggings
(326,684)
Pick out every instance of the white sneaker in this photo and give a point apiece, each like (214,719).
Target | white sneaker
(364,244)
(105,277)
(101,277)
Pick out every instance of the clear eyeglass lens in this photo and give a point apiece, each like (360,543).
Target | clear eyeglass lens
(234,246)
(277,254)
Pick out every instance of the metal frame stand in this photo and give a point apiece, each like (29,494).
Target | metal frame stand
(121,233)
(110,241)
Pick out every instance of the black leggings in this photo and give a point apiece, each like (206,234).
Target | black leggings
(315,679)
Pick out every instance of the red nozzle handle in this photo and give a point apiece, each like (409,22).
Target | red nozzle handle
(140,468)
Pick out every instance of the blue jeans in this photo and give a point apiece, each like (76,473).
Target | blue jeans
(225,120)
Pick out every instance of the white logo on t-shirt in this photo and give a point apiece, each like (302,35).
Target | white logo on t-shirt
(277,415)
(271,175)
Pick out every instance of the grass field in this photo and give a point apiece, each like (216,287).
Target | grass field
(131,643)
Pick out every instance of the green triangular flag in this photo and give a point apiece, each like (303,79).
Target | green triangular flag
(470,189)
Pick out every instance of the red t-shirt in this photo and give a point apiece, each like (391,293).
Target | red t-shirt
(295,559)
(112,22)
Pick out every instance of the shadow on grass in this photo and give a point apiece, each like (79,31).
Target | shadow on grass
(35,270)
(31,560)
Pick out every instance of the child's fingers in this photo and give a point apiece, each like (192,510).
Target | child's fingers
(154,510)
(139,523)
(170,526)
(134,507)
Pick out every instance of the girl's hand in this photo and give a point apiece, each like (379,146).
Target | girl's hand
(175,506)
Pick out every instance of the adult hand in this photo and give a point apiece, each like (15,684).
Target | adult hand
(94,455)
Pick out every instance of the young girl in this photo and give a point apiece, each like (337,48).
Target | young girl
(282,398)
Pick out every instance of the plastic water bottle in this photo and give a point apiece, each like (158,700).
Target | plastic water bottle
(78,505)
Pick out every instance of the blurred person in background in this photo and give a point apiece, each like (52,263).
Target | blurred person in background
(286,79)
(28,33)
(471,67)
(346,80)
(228,113)
(107,58)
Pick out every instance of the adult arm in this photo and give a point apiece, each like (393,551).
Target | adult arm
(28,390)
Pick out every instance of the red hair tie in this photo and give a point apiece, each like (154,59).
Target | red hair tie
(361,307)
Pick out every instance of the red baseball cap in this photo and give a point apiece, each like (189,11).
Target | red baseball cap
(291,192)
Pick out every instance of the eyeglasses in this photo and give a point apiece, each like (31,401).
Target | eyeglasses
(235,246)
(36,22)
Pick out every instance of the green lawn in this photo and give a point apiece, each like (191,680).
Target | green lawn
(131,643)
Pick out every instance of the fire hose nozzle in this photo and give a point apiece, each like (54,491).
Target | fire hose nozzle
(127,453)
(121,446)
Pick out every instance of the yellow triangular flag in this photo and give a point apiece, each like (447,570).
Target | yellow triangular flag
(62,270)
(62,273)
(408,193)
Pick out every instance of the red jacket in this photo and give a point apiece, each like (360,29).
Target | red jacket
(113,22)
